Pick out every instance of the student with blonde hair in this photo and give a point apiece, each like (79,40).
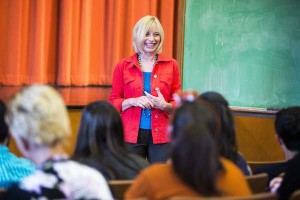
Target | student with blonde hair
(39,123)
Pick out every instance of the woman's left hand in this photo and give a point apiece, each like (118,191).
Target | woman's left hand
(159,102)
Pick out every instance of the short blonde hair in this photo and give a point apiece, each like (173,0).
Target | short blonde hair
(39,115)
(141,28)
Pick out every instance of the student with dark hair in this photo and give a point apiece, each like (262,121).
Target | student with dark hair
(100,143)
(195,168)
(287,126)
(12,168)
(227,139)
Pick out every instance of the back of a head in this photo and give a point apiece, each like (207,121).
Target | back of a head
(227,138)
(3,126)
(100,129)
(194,154)
(287,126)
(214,97)
(188,113)
(100,142)
(38,114)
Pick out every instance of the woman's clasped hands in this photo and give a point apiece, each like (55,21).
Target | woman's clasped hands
(149,101)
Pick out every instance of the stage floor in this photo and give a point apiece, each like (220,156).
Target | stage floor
(74,97)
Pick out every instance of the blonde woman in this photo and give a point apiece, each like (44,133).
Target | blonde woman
(142,90)
(39,123)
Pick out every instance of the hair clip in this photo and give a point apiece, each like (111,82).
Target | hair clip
(185,96)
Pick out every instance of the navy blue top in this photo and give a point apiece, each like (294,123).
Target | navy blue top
(291,178)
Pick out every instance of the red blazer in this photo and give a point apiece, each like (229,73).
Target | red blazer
(128,83)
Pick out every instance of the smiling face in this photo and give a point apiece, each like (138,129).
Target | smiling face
(151,41)
(148,36)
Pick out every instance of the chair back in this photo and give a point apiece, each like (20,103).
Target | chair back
(118,187)
(258,182)
(257,164)
(260,196)
(295,195)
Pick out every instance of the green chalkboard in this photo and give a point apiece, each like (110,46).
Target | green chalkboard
(248,50)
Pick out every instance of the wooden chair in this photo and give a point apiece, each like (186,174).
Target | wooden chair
(295,195)
(256,164)
(259,196)
(258,182)
(118,187)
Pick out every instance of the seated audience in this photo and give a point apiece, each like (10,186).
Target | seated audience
(12,168)
(195,168)
(226,140)
(100,143)
(287,127)
(39,123)
(275,170)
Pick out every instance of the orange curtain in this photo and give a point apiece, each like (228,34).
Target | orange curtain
(73,42)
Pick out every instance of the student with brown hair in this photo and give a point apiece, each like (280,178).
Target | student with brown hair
(195,168)
(226,140)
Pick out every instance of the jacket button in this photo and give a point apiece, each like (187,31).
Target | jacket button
(155,76)
(156,129)
(156,116)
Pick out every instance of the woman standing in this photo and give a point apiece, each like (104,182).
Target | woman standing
(142,90)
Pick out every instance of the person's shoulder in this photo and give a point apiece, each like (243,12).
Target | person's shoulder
(157,169)
(25,162)
(294,162)
(19,164)
(128,59)
(162,58)
(229,166)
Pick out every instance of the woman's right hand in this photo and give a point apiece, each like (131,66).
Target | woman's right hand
(275,183)
(142,102)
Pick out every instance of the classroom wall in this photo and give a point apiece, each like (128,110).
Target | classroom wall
(256,138)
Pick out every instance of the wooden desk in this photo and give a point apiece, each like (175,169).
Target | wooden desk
(256,134)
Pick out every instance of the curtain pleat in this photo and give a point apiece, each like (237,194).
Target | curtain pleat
(73,42)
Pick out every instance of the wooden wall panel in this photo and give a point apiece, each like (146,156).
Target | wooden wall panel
(255,136)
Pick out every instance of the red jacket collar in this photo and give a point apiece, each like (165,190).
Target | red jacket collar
(133,59)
